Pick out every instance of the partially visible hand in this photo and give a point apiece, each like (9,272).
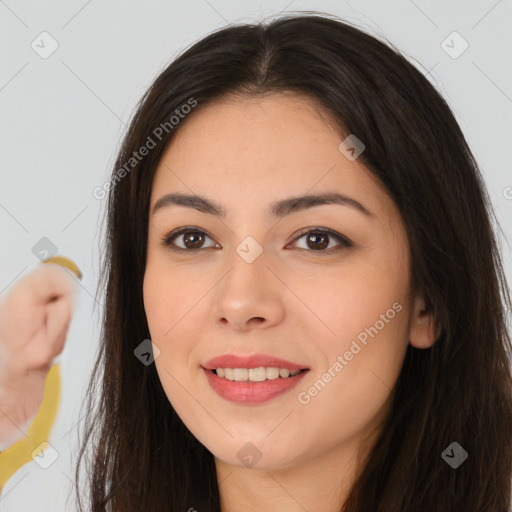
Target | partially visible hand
(34,320)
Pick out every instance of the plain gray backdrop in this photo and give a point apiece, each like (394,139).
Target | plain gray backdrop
(70,75)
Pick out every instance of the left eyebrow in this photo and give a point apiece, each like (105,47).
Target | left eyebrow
(278,209)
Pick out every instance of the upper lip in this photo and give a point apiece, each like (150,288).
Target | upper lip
(254,361)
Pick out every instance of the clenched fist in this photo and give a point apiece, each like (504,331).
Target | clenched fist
(34,320)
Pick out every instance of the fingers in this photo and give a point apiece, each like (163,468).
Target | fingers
(41,286)
(31,303)
(51,282)
(49,340)
(58,320)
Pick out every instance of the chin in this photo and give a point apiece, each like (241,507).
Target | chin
(253,456)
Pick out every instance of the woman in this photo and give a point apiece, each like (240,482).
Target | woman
(296,222)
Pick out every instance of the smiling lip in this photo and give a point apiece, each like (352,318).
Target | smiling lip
(255,361)
(251,392)
(246,391)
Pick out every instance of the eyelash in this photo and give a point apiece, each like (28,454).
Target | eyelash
(345,242)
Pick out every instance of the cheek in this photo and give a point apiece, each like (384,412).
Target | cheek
(169,299)
(350,300)
(173,309)
(363,333)
(349,392)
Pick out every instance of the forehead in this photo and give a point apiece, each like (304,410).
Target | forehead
(273,127)
(262,148)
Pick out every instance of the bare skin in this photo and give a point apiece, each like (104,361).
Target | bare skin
(35,315)
(293,301)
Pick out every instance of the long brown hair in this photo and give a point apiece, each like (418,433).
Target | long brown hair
(460,390)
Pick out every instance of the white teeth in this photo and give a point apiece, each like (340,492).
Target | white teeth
(241,374)
(272,373)
(258,374)
(255,374)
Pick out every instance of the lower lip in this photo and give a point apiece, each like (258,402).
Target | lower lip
(251,392)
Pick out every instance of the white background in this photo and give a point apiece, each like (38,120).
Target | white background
(62,119)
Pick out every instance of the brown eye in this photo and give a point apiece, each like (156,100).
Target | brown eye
(190,238)
(195,240)
(319,240)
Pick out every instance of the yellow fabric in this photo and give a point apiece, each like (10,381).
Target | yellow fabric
(39,430)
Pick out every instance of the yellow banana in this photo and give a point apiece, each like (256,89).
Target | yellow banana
(65,262)
(39,431)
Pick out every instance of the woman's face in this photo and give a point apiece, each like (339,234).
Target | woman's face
(257,278)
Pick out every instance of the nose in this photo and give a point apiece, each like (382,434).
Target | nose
(249,296)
